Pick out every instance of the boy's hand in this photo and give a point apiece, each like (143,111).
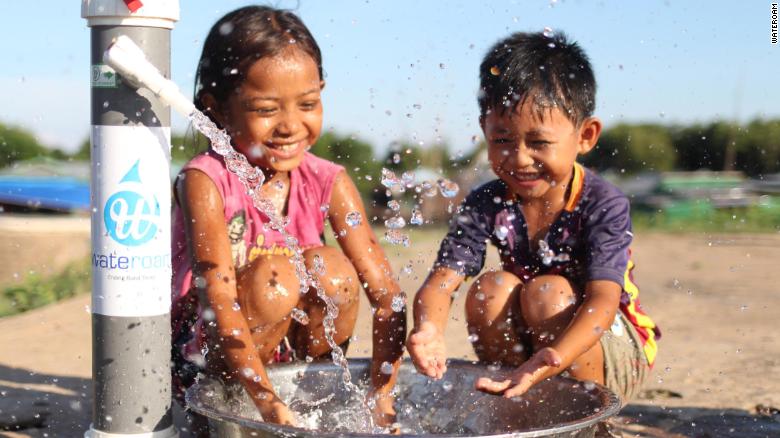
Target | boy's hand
(426,347)
(524,377)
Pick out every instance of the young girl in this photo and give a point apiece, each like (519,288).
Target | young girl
(235,288)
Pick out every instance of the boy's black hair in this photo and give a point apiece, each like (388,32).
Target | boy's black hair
(550,70)
(242,37)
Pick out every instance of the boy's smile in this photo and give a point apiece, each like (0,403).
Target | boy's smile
(533,148)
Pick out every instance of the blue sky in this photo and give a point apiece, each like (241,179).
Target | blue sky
(407,70)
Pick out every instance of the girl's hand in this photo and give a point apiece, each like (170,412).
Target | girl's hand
(543,363)
(382,409)
(277,412)
(427,349)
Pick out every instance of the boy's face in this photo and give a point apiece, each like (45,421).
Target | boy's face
(533,149)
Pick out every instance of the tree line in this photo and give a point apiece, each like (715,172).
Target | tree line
(753,148)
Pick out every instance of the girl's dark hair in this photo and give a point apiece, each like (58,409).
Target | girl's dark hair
(242,37)
(550,70)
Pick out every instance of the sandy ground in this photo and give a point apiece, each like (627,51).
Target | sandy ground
(714,296)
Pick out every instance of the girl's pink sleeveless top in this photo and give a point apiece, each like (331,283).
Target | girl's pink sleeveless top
(311,184)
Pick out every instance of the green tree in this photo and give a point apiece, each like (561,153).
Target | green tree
(183,147)
(758,151)
(633,148)
(703,146)
(18,144)
(355,155)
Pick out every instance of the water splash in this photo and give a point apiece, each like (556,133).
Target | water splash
(252,179)
(448,188)
(353,219)
(395,222)
(396,237)
(417,217)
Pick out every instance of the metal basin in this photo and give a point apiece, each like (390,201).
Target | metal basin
(557,407)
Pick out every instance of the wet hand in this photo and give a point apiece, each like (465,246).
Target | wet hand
(383,411)
(524,377)
(427,349)
(278,413)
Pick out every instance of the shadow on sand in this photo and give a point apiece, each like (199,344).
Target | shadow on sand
(677,422)
(44,405)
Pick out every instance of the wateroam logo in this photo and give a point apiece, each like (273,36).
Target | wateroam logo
(131,216)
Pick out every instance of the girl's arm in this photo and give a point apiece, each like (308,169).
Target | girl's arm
(362,249)
(431,311)
(211,260)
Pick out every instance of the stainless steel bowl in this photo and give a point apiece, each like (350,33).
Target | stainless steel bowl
(557,407)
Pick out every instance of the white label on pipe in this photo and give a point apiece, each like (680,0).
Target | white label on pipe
(131,220)
(102,76)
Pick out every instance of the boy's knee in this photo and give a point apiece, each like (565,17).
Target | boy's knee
(546,296)
(489,296)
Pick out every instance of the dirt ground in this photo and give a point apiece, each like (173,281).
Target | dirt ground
(714,296)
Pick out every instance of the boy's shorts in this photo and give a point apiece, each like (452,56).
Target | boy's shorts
(625,363)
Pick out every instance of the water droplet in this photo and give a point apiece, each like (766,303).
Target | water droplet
(548,32)
(408,178)
(398,302)
(353,219)
(389,179)
(318,265)
(396,158)
(394,205)
(473,338)
(501,232)
(386,368)
(199,282)
(208,315)
(590,386)
(446,386)
(417,106)
(396,222)
(448,188)
(417,217)
(396,237)
(300,316)
(324,208)
(442,66)
(105,104)
(428,189)
(247,372)
(236,307)
(225,28)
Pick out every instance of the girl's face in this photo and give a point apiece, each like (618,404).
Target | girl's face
(275,115)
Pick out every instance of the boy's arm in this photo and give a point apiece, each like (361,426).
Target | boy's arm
(361,247)
(431,311)
(210,251)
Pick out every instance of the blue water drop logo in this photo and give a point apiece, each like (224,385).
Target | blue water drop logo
(131,217)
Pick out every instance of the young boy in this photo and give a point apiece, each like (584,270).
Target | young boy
(565,299)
